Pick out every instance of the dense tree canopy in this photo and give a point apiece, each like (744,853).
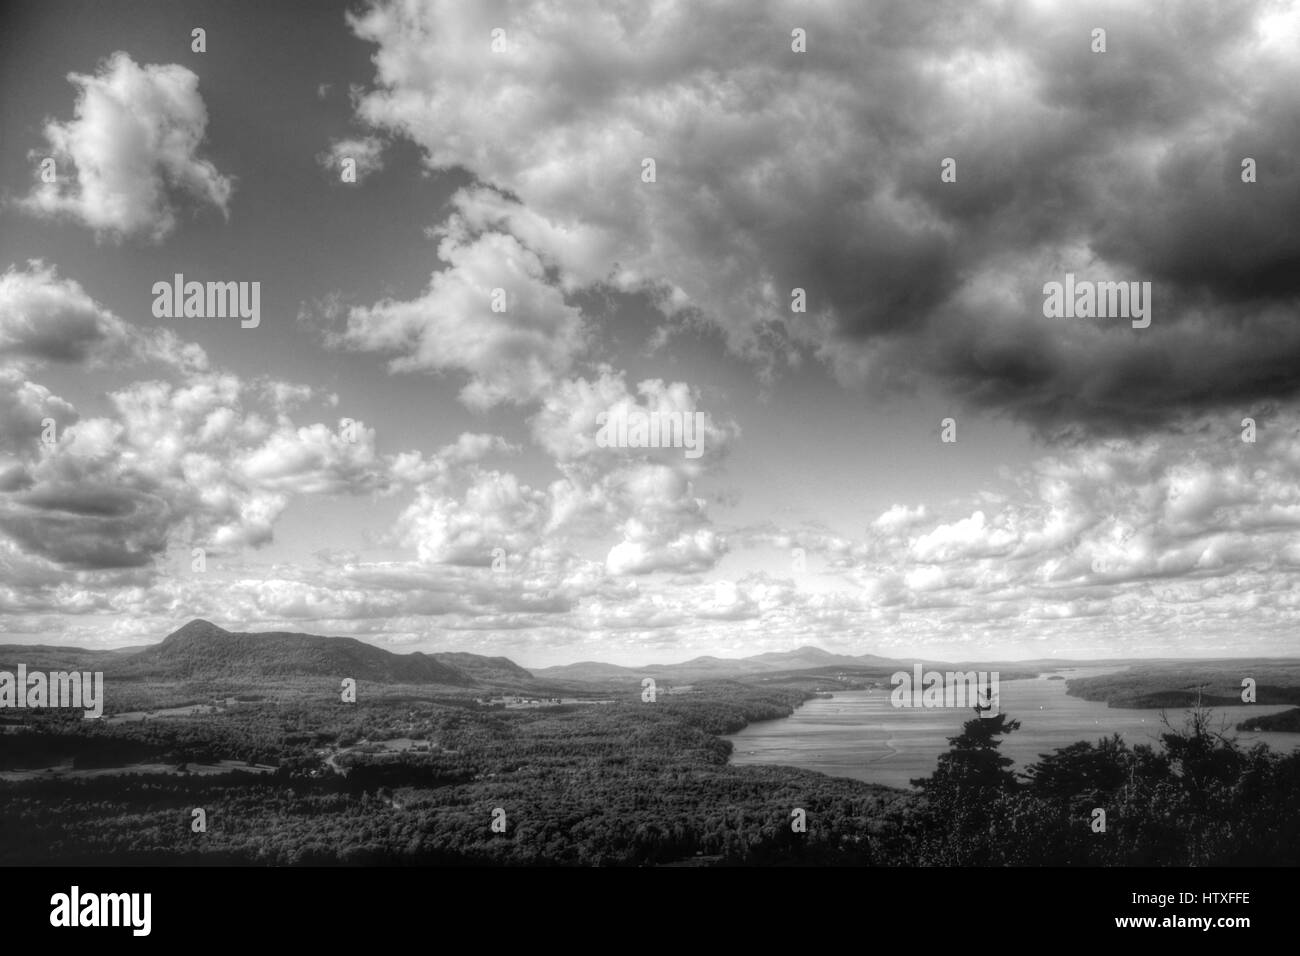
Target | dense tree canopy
(410,780)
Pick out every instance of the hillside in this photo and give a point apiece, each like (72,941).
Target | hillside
(592,671)
(1286,722)
(491,670)
(708,667)
(807,661)
(47,657)
(1177,684)
(808,656)
(202,651)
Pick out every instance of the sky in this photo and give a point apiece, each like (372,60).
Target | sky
(909,457)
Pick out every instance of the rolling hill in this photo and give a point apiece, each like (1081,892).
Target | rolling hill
(706,668)
(48,657)
(202,651)
(491,670)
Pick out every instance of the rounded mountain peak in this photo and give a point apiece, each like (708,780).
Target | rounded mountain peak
(197,629)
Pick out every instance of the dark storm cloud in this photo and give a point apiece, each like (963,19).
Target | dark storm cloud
(1130,171)
(48,318)
(88,527)
(821,171)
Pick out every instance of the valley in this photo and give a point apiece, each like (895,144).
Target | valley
(457,759)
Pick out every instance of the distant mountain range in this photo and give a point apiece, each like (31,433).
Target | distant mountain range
(705,668)
(203,651)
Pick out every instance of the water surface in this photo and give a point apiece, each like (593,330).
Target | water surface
(860,734)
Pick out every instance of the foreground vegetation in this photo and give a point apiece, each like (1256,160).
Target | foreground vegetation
(1177,684)
(1198,799)
(620,783)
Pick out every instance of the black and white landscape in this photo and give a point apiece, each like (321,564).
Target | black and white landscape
(607,433)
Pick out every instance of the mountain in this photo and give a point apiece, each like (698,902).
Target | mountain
(590,671)
(809,656)
(706,668)
(202,651)
(48,657)
(491,670)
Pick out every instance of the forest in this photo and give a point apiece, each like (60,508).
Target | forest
(621,783)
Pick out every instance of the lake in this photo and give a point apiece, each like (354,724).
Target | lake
(860,734)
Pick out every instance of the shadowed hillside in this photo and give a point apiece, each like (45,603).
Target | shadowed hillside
(202,651)
(1156,684)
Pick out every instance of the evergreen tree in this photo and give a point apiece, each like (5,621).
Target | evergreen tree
(974,765)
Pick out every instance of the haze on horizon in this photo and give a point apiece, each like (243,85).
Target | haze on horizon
(792,658)
(385,457)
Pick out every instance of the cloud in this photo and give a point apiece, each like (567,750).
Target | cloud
(821,171)
(496,511)
(81,520)
(899,517)
(644,499)
(968,537)
(1194,525)
(128,161)
(644,550)
(666,526)
(513,353)
(659,525)
(1117,546)
(367,153)
(566,424)
(645,495)
(475,446)
(45,318)
(1150,527)
(316,459)
(196,464)
(24,406)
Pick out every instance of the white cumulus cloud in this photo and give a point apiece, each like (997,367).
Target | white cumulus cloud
(128,161)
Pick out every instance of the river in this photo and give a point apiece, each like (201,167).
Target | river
(860,734)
